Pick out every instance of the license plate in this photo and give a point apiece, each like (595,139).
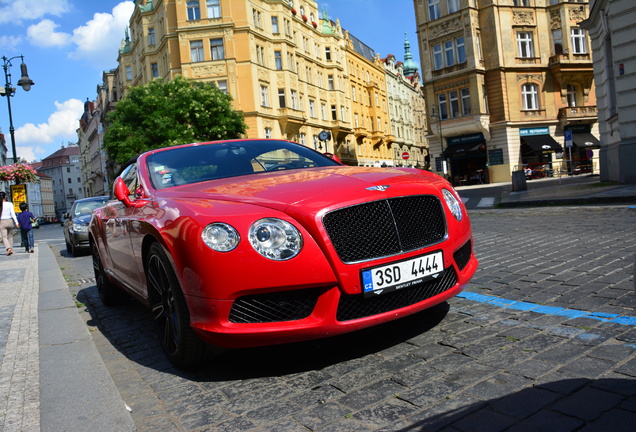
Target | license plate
(402,274)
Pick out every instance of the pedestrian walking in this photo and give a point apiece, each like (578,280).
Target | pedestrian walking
(26,219)
(8,221)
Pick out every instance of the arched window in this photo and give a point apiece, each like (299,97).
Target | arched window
(530,95)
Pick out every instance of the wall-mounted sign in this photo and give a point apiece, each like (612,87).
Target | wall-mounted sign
(534,131)
(463,139)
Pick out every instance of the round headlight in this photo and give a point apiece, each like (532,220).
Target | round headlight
(220,237)
(453,204)
(275,239)
(79,228)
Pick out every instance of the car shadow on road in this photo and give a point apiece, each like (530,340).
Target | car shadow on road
(131,330)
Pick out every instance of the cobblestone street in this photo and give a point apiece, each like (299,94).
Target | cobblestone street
(544,339)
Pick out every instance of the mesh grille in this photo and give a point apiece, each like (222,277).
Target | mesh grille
(273,307)
(462,255)
(386,227)
(358,306)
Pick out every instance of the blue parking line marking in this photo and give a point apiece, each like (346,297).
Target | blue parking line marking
(547,310)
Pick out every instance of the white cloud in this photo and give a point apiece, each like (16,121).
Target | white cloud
(44,35)
(97,41)
(9,42)
(61,127)
(15,11)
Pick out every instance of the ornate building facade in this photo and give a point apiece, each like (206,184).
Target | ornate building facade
(511,86)
(293,73)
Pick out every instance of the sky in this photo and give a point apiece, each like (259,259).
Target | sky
(68,44)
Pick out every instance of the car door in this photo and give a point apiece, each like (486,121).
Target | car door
(120,222)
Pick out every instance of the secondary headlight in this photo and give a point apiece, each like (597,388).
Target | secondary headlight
(453,204)
(275,239)
(220,237)
(79,228)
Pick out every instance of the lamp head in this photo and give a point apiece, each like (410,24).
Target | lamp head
(25,82)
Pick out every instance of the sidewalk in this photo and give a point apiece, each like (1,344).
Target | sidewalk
(569,191)
(51,375)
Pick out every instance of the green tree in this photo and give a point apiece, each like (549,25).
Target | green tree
(162,114)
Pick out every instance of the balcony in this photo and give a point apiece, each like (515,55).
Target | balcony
(360,132)
(578,113)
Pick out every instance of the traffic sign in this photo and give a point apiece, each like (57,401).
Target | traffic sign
(406,155)
(568,138)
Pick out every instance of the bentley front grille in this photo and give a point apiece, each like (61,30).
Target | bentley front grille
(385,227)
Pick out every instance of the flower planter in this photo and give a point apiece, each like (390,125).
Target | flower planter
(305,18)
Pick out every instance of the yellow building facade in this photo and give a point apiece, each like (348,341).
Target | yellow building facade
(511,86)
(290,70)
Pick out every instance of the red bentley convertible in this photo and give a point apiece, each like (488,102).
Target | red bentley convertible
(256,242)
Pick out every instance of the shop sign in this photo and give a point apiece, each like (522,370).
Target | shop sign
(534,131)
(466,139)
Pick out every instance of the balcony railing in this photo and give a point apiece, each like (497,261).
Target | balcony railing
(578,112)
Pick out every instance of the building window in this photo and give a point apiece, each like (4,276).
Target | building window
(294,99)
(522,2)
(260,55)
(454,103)
(379,120)
(155,70)
(438,61)
(356,120)
(196,51)
(342,113)
(465,94)
(578,41)
(275,25)
(330,82)
(268,133)
(303,138)
(264,96)
(571,89)
(222,85)
(328,53)
(194,11)
(312,108)
(557,41)
(323,111)
(128,73)
(334,113)
(217,50)
(281,98)
(524,44)
(433,10)
(461,49)
(453,6)
(151,36)
(353,94)
(256,16)
(278,60)
(442,106)
(214,8)
(449,53)
(530,95)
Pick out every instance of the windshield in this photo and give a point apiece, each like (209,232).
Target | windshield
(85,208)
(204,162)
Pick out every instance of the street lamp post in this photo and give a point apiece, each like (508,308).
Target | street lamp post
(25,82)
(434,116)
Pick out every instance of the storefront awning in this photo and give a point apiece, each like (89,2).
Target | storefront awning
(585,140)
(542,143)
(460,150)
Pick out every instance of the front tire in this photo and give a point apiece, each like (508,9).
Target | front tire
(108,293)
(170,312)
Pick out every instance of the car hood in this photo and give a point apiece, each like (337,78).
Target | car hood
(314,188)
(82,220)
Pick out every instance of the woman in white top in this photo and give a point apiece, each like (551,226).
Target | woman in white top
(8,221)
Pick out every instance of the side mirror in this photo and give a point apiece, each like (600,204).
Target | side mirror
(122,193)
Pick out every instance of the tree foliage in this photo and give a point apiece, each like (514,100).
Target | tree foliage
(162,114)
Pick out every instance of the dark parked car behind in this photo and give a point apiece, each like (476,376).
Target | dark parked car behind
(76,222)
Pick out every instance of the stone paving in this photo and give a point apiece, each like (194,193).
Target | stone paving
(19,344)
(565,361)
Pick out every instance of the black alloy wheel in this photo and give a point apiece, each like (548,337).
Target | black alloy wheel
(170,312)
(108,293)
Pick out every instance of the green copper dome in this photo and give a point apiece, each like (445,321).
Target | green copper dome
(410,67)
